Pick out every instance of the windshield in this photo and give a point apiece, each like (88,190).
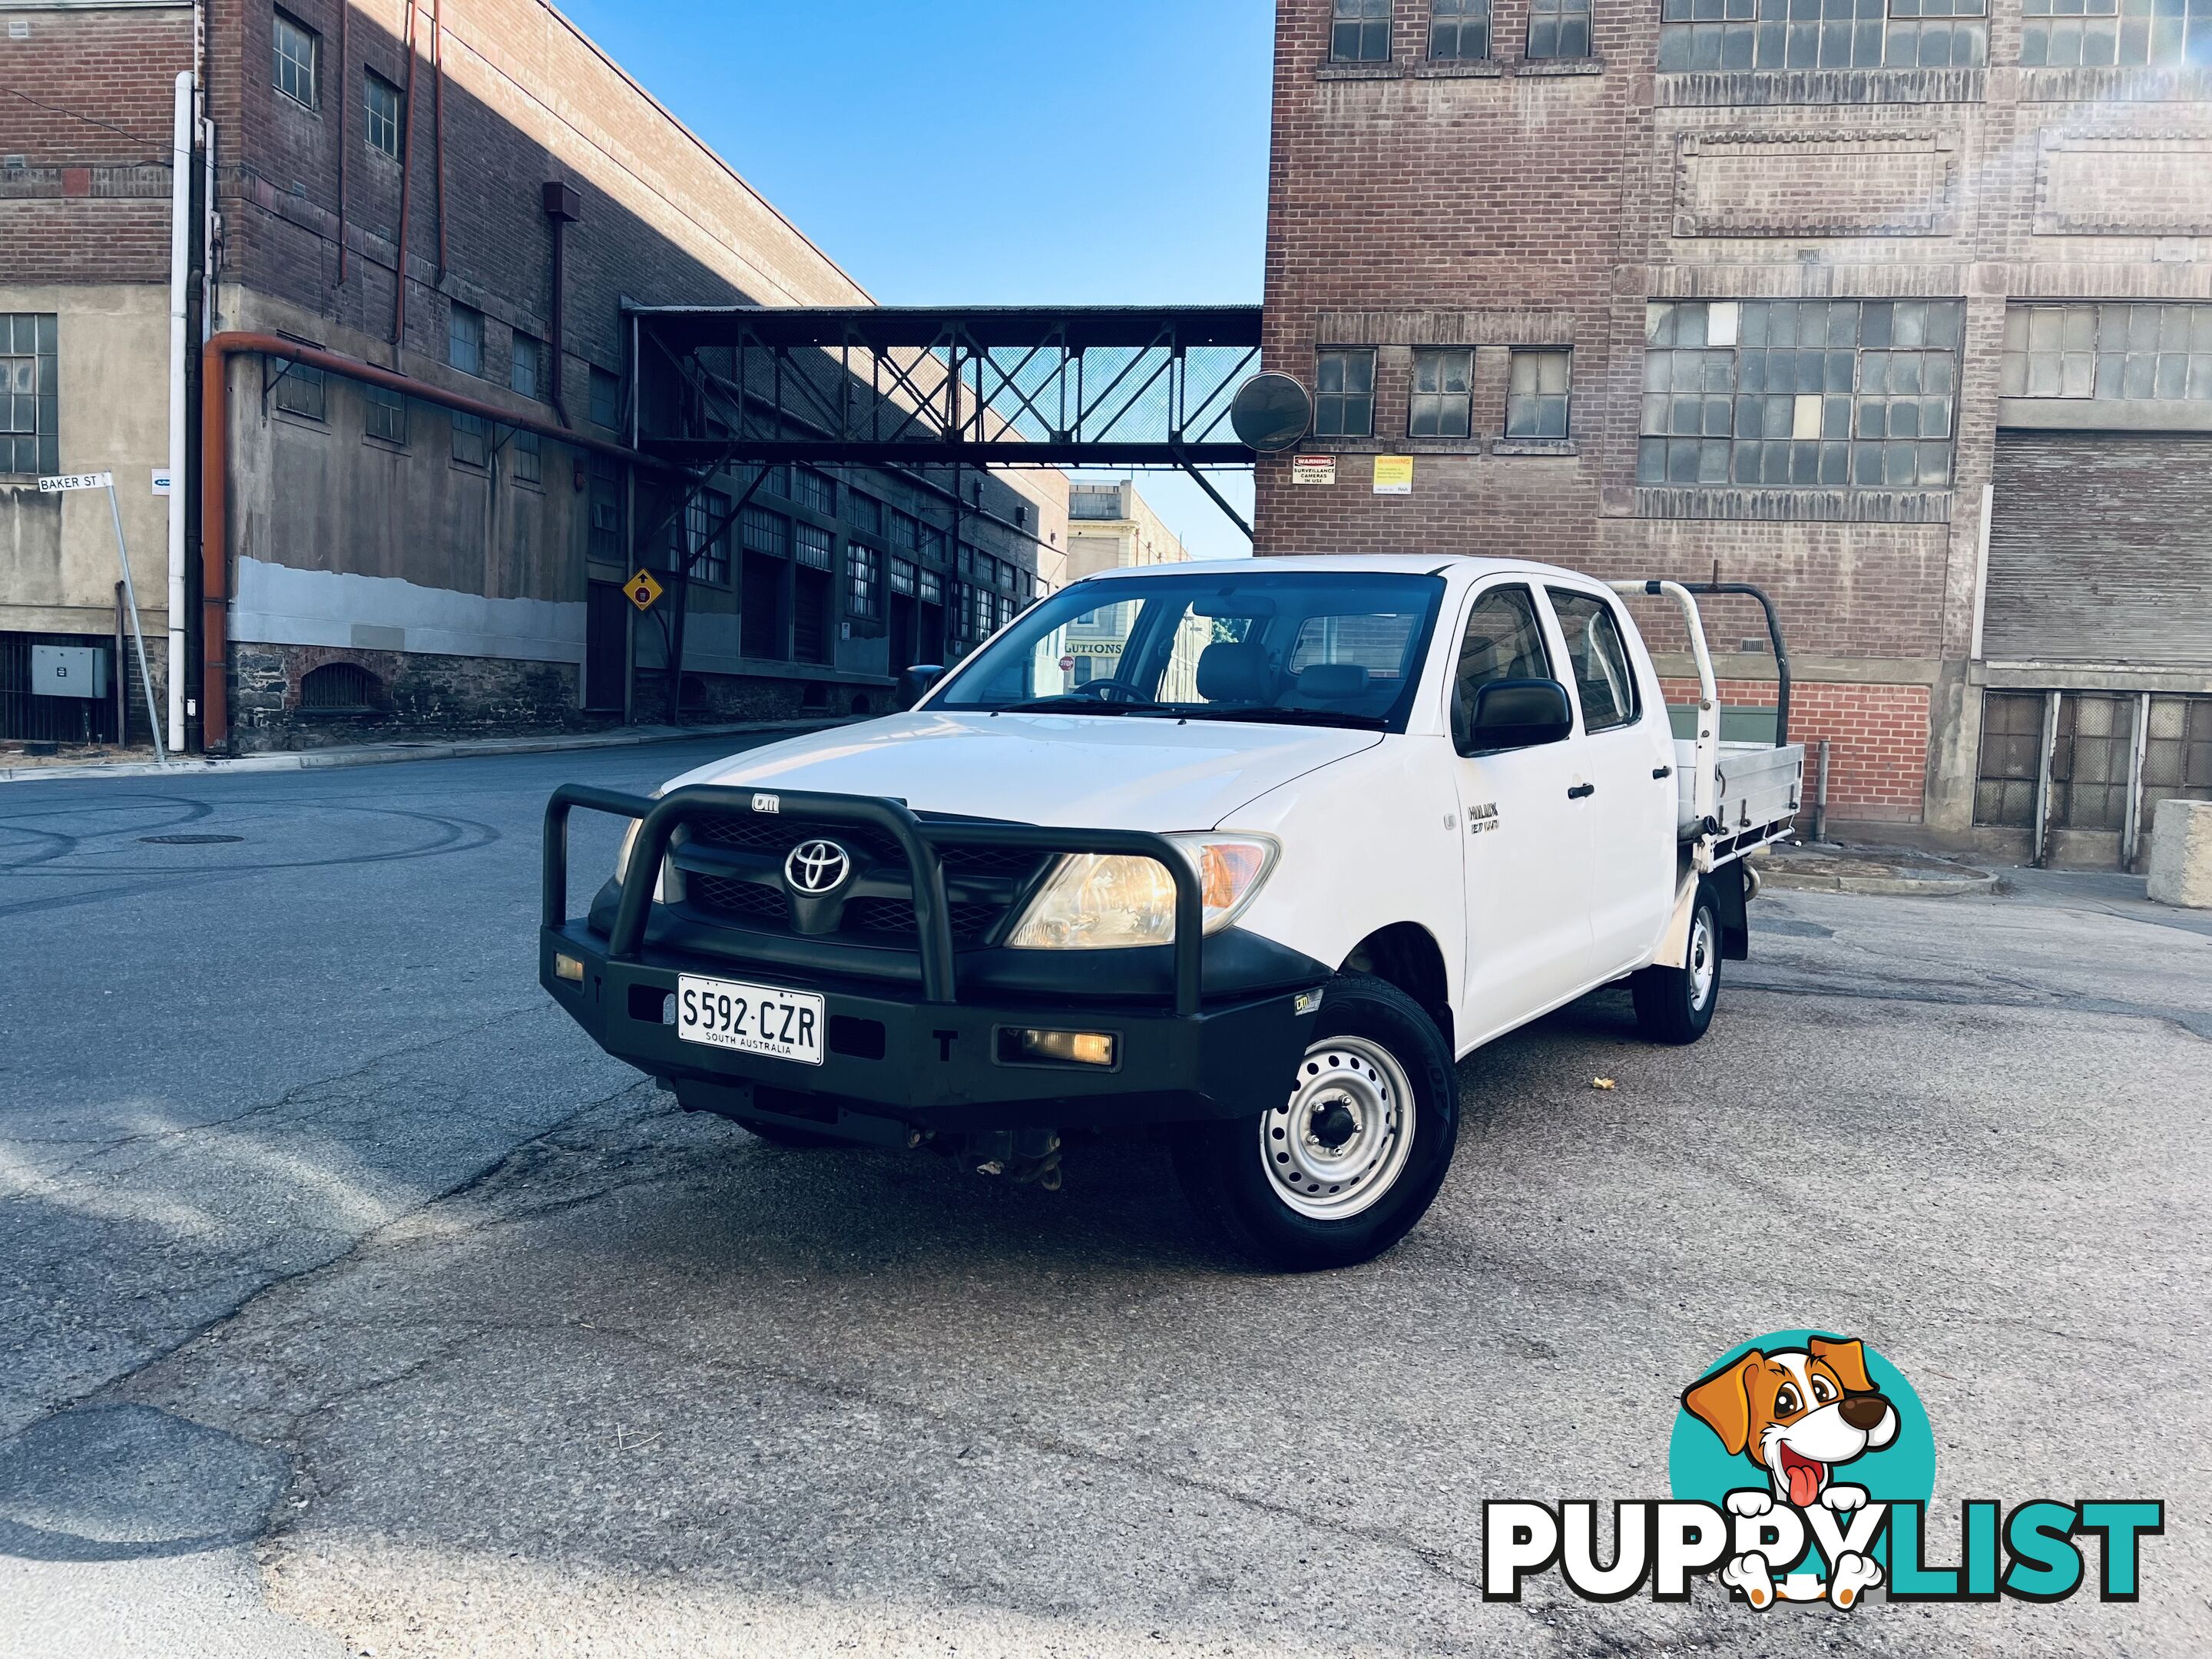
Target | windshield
(1283,647)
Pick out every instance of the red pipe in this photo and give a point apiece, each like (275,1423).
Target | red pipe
(214,476)
(406,190)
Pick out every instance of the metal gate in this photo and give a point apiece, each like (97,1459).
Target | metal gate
(2084,771)
(27,717)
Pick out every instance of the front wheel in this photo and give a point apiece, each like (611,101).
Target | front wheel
(1675,1004)
(1353,1156)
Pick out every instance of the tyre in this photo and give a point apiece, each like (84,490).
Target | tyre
(1675,1004)
(1353,1159)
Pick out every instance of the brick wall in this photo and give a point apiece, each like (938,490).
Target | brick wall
(89,114)
(1510,203)
(1877,738)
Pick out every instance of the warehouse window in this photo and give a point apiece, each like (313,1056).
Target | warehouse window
(471,441)
(1444,382)
(2177,762)
(2091,745)
(864,594)
(1536,394)
(2162,34)
(464,338)
(526,369)
(1343,399)
(1559,29)
(606,399)
(2011,759)
(606,483)
(2116,350)
(384,414)
(1778,35)
(1841,394)
(300,391)
(528,455)
(296,49)
(1936,34)
(27,409)
(1459,30)
(1360,32)
(814,491)
(705,536)
(380,104)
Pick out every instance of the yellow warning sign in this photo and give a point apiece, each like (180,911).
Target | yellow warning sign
(643,590)
(1394,475)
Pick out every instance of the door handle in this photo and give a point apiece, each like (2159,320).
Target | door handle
(1663,771)
(1581,790)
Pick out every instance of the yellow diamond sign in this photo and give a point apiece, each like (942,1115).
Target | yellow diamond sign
(643,590)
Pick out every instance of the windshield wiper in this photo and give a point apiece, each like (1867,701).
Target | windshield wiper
(1296,717)
(1072,701)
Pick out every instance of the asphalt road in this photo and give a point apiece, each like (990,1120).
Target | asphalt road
(350,1301)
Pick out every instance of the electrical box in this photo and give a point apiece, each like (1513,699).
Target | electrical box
(68,671)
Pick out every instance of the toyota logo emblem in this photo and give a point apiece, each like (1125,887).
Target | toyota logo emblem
(817,867)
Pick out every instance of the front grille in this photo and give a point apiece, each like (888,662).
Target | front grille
(984,882)
(741,901)
(890,918)
(772,833)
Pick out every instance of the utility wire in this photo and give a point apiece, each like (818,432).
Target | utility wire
(159,148)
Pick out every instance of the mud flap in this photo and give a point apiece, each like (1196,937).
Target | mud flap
(1727,899)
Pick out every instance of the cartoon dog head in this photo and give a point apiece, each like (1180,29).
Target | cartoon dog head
(1797,1413)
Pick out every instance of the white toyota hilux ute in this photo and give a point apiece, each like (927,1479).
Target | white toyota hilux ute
(1244,855)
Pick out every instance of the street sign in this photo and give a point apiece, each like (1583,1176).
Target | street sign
(643,590)
(76,481)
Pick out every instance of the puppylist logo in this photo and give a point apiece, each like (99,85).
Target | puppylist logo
(1802,1467)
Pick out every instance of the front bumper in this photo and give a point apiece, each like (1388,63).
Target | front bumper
(939,1066)
(924,1050)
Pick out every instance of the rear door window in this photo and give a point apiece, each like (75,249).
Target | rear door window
(1604,683)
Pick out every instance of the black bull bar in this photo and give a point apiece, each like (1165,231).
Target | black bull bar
(917,840)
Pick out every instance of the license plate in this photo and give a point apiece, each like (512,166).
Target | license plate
(754,1019)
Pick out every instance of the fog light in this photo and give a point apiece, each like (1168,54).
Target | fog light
(568,968)
(1077,1047)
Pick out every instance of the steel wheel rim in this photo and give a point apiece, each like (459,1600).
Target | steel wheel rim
(1319,1166)
(1704,961)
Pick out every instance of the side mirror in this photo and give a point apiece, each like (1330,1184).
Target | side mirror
(1516,714)
(915,683)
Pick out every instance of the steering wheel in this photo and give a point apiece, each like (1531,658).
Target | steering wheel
(1106,689)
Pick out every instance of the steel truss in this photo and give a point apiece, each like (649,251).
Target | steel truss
(999,387)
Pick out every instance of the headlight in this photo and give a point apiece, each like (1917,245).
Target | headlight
(1111,900)
(629,846)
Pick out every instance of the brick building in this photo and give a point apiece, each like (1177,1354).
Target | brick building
(1905,315)
(442,549)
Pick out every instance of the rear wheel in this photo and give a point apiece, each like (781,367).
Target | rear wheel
(1675,1004)
(1353,1156)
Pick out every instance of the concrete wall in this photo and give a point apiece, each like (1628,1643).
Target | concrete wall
(59,551)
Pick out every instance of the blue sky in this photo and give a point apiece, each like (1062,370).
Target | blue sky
(990,152)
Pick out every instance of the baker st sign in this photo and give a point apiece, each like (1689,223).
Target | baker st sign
(76,481)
